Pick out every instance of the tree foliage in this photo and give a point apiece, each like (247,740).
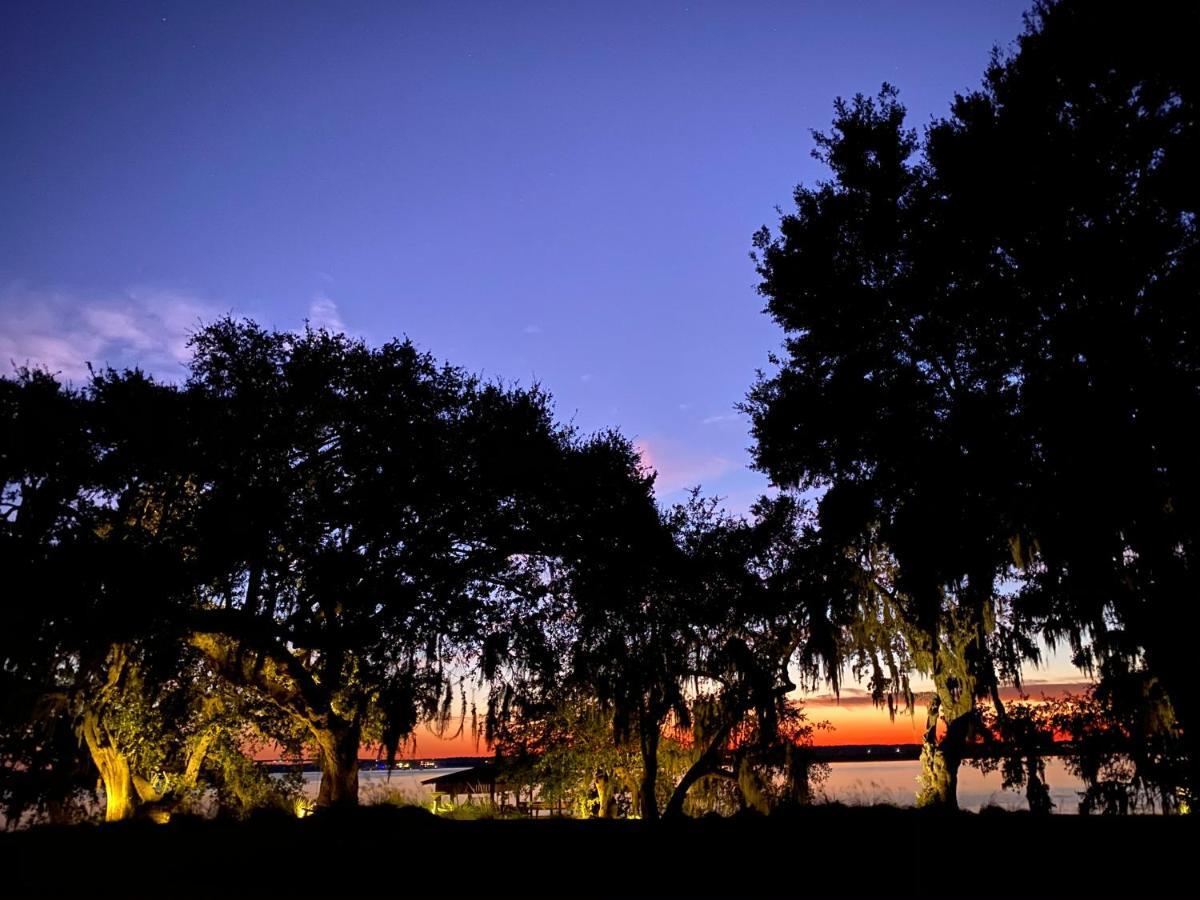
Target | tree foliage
(989,365)
(988,387)
(96,674)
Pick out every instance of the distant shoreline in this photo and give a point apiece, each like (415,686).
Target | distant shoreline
(824,753)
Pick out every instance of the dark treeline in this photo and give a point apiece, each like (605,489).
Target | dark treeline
(981,427)
(322,545)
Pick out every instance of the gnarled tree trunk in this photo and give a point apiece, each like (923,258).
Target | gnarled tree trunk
(706,764)
(280,677)
(941,759)
(120,796)
(337,746)
(606,804)
(698,770)
(956,657)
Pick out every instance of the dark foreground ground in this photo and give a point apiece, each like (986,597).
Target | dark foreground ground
(818,852)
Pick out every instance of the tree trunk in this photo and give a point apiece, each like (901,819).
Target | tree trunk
(337,746)
(799,771)
(940,760)
(648,789)
(1037,794)
(120,796)
(701,767)
(939,778)
(191,772)
(707,764)
(605,802)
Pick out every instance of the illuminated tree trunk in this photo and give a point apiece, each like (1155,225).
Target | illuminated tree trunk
(940,760)
(939,779)
(606,803)
(279,677)
(337,746)
(120,796)
(955,657)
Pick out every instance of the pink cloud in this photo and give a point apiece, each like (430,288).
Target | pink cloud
(677,465)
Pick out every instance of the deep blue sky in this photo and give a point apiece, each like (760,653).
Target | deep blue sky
(561,192)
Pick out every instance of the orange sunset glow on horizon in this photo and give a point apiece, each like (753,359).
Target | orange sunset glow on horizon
(855,719)
(851,719)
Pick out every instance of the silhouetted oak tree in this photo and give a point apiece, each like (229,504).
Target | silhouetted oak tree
(864,407)
(990,362)
(672,614)
(97,675)
(1083,244)
(365,513)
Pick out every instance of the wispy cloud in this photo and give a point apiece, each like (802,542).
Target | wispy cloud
(532,329)
(63,332)
(323,313)
(858,697)
(718,419)
(679,466)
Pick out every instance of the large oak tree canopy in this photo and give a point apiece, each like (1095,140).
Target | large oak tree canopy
(342,533)
(990,350)
(96,505)
(367,514)
(990,380)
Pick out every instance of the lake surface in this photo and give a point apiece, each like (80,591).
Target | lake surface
(895,782)
(853,783)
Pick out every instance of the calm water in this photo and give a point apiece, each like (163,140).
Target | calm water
(896,783)
(849,782)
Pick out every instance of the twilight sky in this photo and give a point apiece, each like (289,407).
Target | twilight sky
(560,192)
(552,192)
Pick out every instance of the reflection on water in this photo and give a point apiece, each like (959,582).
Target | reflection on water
(865,783)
